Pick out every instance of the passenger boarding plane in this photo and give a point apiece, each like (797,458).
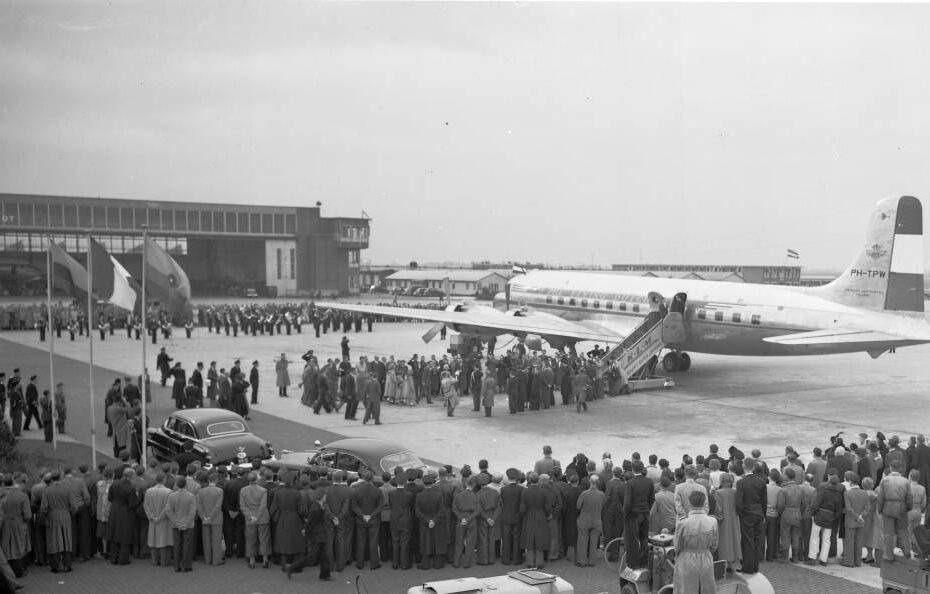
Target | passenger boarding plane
(875,306)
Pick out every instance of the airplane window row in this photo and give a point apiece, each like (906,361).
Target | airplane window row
(735,317)
(596,304)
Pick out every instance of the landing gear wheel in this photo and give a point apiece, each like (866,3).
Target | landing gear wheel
(628,589)
(684,362)
(671,362)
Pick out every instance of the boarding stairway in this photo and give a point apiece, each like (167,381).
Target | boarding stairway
(637,354)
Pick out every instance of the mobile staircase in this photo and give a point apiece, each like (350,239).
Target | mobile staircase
(638,353)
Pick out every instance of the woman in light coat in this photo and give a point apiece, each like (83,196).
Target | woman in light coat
(868,532)
(410,391)
(103,510)
(488,391)
(283,378)
(390,382)
(916,513)
(450,392)
(695,540)
(160,536)
(728,522)
(400,377)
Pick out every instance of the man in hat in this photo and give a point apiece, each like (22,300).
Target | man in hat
(400,501)
(366,504)
(197,375)
(61,407)
(14,383)
(253,381)
(489,503)
(369,390)
(344,344)
(336,506)
(465,510)
(510,519)
(193,396)
(640,495)
(233,522)
(162,362)
(131,393)
(32,403)
(751,504)
(213,378)
(17,404)
(431,515)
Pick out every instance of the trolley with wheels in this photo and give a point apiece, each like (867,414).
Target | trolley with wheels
(658,576)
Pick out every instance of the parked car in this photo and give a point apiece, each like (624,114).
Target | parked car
(219,436)
(377,289)
(251,293)
(352,455)
(432,292)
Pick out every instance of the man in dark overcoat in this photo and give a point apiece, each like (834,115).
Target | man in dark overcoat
(431,516)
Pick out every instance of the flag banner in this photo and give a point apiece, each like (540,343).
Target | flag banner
(68,274)
(124,293)
(166,280)
(109,283)
(793,254)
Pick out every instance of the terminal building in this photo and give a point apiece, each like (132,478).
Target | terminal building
(766,275)
(456,282)
(224,248)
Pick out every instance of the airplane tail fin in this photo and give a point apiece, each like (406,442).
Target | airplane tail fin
(889,272)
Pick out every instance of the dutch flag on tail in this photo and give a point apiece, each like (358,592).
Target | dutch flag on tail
(793,254)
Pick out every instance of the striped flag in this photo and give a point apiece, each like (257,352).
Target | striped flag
(67,273)
(793,254)
(110,279)
(167,282)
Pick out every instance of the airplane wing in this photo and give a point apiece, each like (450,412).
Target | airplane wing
(833,336)
(482,318)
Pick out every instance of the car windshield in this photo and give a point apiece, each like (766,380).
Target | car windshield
(403,459)
(225,427)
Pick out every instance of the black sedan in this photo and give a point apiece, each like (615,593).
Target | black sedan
(219,436)
(352,455)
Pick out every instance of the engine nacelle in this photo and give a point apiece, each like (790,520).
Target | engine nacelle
(533,342)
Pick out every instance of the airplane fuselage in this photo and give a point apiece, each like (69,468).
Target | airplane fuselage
(720,317)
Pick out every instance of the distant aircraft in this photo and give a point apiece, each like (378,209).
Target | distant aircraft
(876,305)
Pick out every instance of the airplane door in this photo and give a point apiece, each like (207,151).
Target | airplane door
(673,326)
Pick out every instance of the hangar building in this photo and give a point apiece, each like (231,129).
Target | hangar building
(224,248)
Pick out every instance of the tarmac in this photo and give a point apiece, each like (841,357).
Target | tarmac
(764,403)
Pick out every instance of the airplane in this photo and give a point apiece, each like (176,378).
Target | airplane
(876,306)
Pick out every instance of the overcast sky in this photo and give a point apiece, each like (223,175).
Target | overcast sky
(569,133)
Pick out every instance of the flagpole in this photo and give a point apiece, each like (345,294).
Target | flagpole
(90,336)
(145,395)
(51,350)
